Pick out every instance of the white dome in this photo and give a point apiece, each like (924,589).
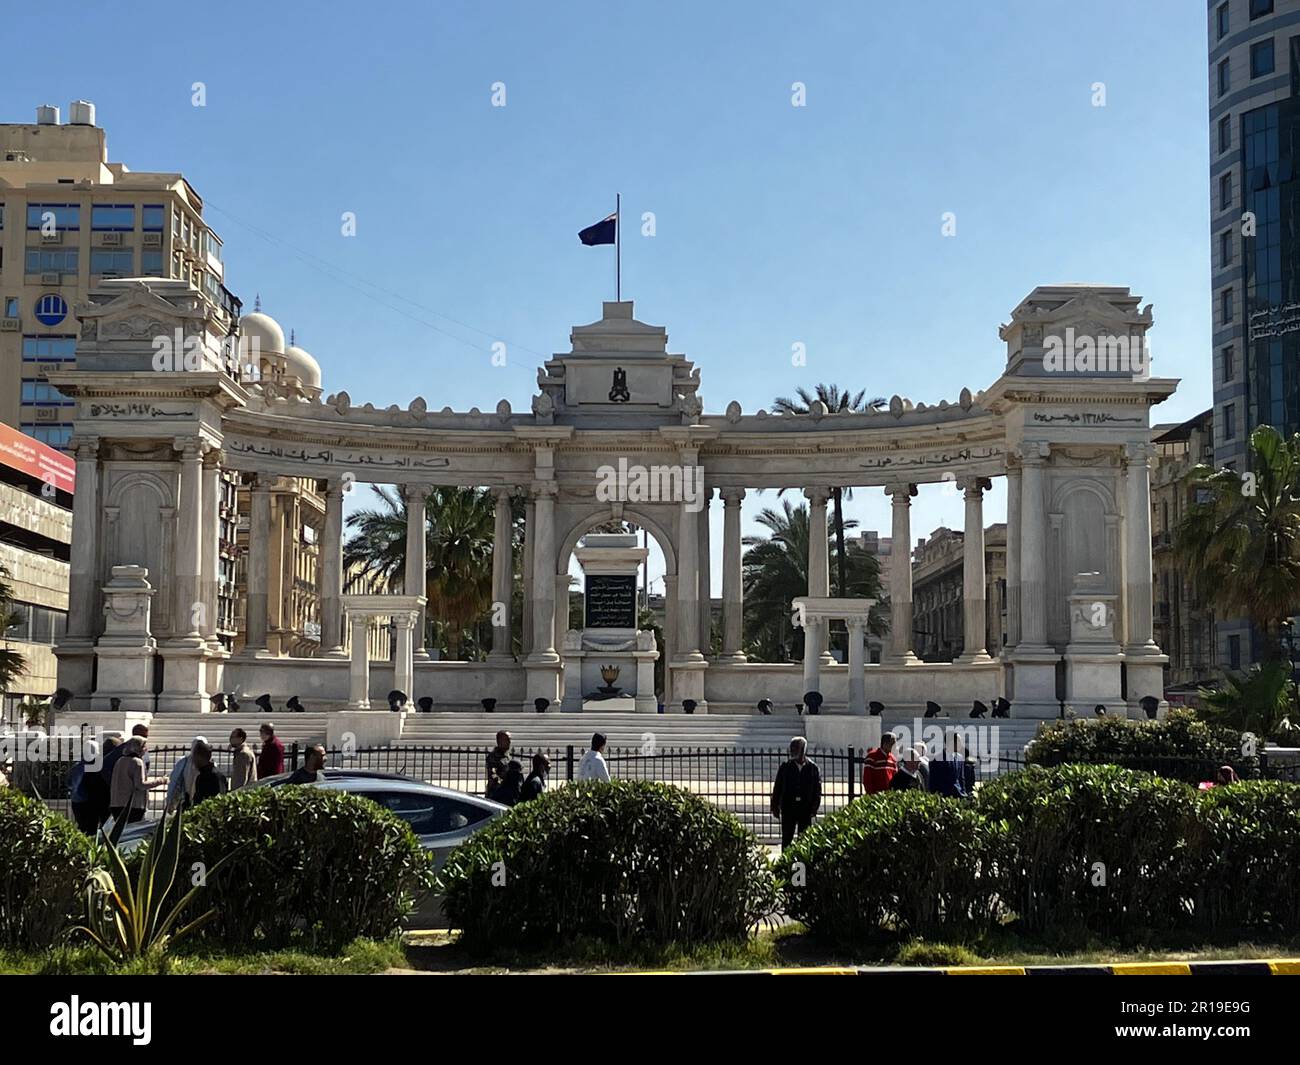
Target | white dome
(300,364)
(263,329)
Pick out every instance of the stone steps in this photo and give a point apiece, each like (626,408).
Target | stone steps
(179,730)
(622,730)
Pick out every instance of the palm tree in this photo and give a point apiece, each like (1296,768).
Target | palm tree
(837,401)
(776,570)
(1240,542)
(459,538)
(12,663)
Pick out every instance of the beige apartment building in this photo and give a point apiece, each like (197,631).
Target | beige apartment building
(1184,622)
(68,219)
(938,567)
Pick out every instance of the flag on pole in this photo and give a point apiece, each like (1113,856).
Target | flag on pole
(603,232)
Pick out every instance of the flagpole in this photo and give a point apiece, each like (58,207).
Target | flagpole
(618,247)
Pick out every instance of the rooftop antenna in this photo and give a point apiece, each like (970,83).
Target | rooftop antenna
(257,302)
(292,338)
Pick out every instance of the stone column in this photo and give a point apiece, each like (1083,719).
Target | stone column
(857,665)
(544,573)
(1013,555)
(900,575)
(530,535)
(1137,551)
(210,564)
(819,565)
(688,584)
(670,633)
(359,666)
(259,532)
(503,568)
(84,557)
(974,586)
(331,572)
(733,582)
(189,606)
(404,652)
(812,655)
(706,576)
(1032,547)
(417,545)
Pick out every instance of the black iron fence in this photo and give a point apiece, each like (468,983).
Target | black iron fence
(739,781)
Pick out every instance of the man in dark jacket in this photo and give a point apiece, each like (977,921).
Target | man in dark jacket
(497,760)
(536,782)
(797,793)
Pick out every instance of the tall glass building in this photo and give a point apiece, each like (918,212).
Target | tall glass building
(1254,69)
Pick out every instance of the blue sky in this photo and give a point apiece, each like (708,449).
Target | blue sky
(774,224)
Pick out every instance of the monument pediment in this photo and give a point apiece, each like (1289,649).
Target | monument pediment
(616,363)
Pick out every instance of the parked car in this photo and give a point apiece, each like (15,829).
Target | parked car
(441,818)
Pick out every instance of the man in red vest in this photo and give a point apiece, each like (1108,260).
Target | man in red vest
(879,769)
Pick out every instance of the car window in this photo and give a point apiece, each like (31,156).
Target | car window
(429,815)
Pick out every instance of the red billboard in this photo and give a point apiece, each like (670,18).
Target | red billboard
(22,453)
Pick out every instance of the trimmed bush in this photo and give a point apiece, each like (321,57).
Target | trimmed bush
(1093,848)
(628,862)
(324,865)
(1248,856)
(1181,746)
(44,865)
(896,863)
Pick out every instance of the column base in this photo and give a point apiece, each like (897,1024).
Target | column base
(908,659)
(260,653)
(728,657)
(333,652)
(971,659)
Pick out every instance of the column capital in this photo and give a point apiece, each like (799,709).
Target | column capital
(901,492)
(190,447)
(85,447)
(1138,454)
(731,496)
(543,490)
(503,493)
(817,495)
(1032,452)
(214,456)
(261,482)
(974,487)
(411,491)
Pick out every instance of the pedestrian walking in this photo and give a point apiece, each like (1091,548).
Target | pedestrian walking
(270,761)
(497,760)
(797,792)
(535,783)
(243,763)
(880,766)
(592,765)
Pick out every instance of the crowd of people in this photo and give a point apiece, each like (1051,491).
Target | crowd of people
(113,783)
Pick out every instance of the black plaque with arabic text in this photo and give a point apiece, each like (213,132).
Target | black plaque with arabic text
(611,601)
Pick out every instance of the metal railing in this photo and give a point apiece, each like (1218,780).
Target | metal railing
(739,781)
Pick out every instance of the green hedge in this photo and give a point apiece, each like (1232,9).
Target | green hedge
(1181,746)
(44,864)
(623,862)
(1092,848)
(1248,855)
(903,862)
(324,865)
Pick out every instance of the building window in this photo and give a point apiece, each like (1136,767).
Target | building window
(1261,58)
(49,348)
(1225,192)
(1225,79)
(1222,15)
(64,215)
(44,394)
(153,215)
(1260,8)
(120,261)
(1225,306)
(57,436)
(1234,652)
(1225,133)
(51,261)
(1229,422)
(11,306)
(151,263)
(1225,248)
(1229,364)
(119,218)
